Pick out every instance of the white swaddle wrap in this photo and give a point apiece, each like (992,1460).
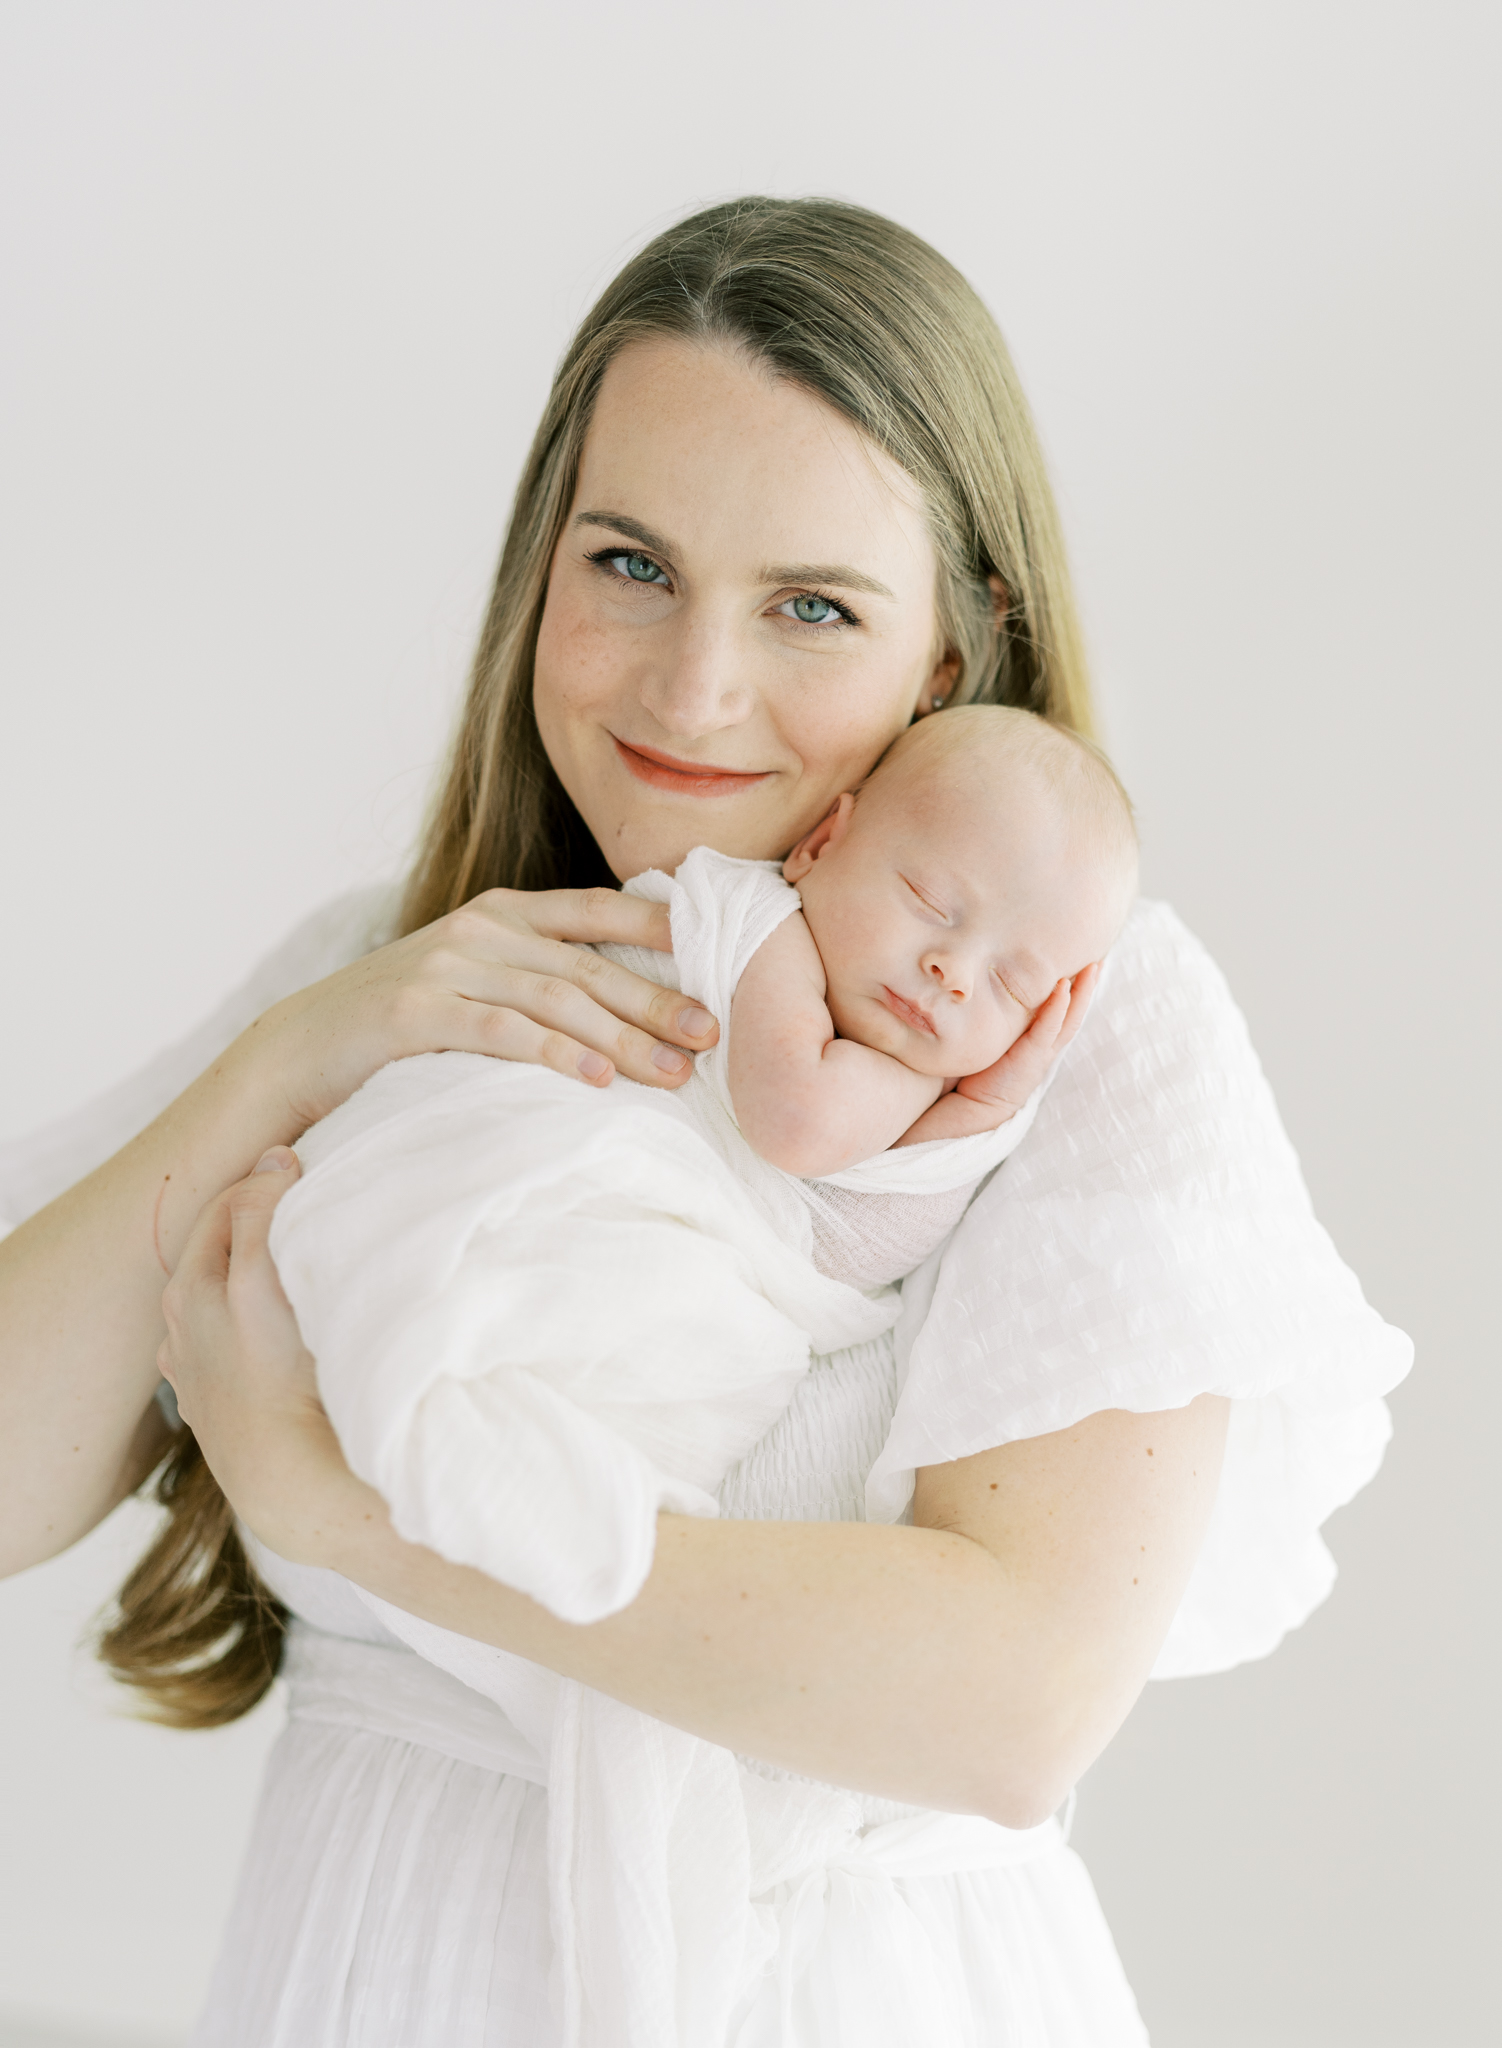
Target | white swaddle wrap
(541,1312)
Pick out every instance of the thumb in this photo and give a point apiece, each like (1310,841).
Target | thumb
(253,1203)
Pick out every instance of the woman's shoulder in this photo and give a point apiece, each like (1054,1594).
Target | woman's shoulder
(1161,982)
(1163,1080)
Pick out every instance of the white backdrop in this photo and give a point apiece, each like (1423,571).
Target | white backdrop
(285,285)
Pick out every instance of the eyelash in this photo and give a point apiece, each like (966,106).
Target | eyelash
(934,911)
(932,908)
(603,557)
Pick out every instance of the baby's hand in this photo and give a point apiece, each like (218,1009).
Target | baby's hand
(983,1102)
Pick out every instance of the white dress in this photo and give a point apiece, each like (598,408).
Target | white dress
(1150,1241)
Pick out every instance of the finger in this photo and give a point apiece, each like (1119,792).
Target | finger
(252,1204)
(504,1033)
(661,1013)
(1081,993)
(464,963)
(204,1263)
(1024,1066)
(1048,1018)
(554,1024)
(592,917)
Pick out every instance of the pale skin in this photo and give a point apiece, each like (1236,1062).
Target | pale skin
(946,906)
(976,1661)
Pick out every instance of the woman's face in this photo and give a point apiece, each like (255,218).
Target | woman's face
(740,613)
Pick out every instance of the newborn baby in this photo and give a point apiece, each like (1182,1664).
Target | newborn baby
(988,860)
(542,1313)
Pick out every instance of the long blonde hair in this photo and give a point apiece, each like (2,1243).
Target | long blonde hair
(869,318)
(865,315)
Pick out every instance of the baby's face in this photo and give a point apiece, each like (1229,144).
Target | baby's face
(946,915)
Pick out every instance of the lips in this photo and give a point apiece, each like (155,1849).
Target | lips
(908,1013)
(687,778)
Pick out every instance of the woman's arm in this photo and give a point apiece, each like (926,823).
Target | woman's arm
(977,1662)
(81,1282)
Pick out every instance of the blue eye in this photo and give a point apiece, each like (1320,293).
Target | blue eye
(809,610)
(632,568)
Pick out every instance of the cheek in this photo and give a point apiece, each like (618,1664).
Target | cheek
(578,664)
(839,734)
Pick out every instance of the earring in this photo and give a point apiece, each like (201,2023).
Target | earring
(936,703)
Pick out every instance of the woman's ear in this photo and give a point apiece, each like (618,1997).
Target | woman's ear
(1001,600)
(939,688)
(829,831)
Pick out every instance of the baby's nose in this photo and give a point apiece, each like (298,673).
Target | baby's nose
(949,977)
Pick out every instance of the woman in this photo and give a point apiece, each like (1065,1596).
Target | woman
(784,499)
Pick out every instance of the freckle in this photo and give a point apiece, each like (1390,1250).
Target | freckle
(1149,1450)
(803,1688)
(706,1639)
(993,1486)
(745,1596)
(1134,1582)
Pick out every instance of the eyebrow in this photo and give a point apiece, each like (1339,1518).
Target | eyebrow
(779,572)
(632,528)
(824,572)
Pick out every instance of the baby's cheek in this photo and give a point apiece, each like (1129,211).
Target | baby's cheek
(989,1043)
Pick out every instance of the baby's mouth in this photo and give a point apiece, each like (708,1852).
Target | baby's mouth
(908,1013)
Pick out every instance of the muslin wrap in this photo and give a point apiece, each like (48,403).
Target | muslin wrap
(542,1313)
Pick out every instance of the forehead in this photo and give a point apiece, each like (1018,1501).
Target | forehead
(1011,853)
(709,449)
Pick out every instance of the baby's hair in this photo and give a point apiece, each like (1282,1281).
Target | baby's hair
(1070,766)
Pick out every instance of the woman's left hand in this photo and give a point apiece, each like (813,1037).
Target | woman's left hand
(244,1379)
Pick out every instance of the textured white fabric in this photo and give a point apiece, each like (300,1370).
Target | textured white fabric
(871,1240)
(840,1893)
(1154,1241)
(396,1897)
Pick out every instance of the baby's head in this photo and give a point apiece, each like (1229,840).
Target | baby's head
(987,857)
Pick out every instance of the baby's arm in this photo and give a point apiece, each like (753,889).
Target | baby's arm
(805,1099)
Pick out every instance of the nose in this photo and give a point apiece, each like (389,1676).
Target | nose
(948,970)
(695,685)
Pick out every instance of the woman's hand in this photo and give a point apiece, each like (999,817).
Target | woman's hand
(506,974)
(244,1379)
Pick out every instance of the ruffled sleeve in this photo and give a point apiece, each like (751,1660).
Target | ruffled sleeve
(37,1167)
(1153,1240)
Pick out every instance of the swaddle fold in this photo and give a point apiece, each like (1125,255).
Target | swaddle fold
(542,1312)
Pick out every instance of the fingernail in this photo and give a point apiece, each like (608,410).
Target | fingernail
(693,1023)
(277,1160)
(669,1059)
(593,1065)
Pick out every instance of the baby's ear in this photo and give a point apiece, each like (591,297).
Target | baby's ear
(829,831)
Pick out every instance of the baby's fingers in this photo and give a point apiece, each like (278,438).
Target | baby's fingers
(1081,992)
(1025,1065)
